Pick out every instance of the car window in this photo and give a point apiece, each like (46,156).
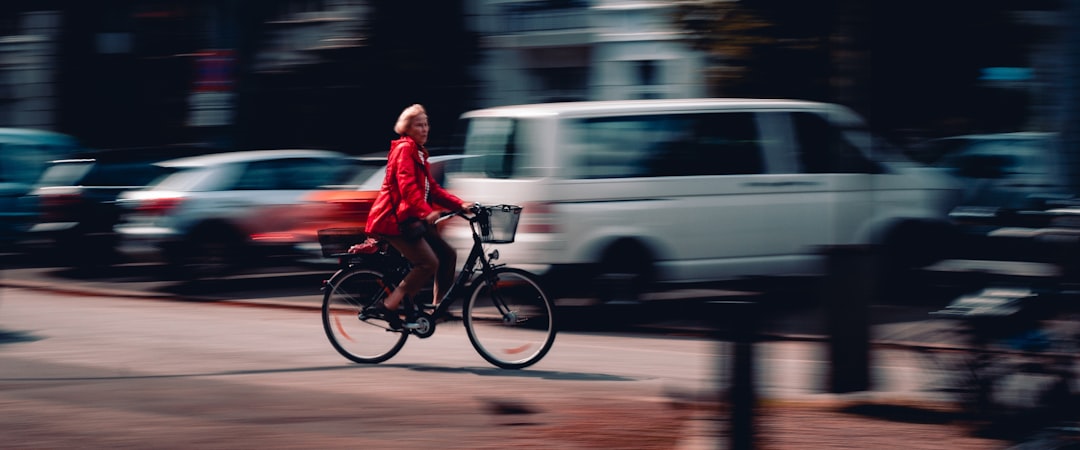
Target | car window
(665,145)
(65,173)
(128,173)
(259,175)
(310,173)
(361,174)
(287,174)
(441,168)
(823,148)
(195,179)
(374,180)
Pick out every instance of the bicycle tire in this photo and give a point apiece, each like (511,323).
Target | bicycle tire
(515,337)
(362,340)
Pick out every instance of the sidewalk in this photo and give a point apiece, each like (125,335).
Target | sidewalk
(793,411)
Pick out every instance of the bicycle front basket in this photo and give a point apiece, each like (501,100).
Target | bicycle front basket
(335,241)
(498,224)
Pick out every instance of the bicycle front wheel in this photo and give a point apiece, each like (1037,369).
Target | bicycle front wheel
(509,319)
(356,337)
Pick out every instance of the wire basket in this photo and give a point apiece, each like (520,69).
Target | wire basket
(498,224)
(335,241)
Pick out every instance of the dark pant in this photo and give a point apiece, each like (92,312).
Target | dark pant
(430,257)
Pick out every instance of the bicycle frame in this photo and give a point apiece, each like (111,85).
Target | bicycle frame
(395,267)
(476,254)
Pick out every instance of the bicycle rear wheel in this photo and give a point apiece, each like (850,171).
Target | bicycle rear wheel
(360,339)
(510,321)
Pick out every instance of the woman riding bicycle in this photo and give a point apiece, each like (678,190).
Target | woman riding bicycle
(404,213)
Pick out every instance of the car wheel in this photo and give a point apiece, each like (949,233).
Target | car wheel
(209,254)
(87,251)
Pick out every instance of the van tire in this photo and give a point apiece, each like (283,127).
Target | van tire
(624,273)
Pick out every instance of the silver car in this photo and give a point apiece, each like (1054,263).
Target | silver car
(216,213)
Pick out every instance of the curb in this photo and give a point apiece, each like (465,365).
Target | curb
(68,288)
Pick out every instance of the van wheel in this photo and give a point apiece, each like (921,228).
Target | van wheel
(624,274)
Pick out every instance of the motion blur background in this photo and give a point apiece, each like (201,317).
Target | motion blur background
(333,74)
(112,87)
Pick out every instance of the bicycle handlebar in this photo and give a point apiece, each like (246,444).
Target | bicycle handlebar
(471,213)
(474,209)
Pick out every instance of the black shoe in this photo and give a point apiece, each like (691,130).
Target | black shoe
(380,311)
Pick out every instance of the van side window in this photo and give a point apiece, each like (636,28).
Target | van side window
(823,148)
(727,144)
(667,145)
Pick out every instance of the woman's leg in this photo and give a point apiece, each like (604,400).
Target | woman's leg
(424,265)
(447,264)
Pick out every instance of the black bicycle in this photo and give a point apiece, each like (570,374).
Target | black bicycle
(509,319)
(1003,350)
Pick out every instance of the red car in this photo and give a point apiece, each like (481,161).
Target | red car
(346,205)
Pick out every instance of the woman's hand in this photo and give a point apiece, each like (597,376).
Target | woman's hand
(433,216)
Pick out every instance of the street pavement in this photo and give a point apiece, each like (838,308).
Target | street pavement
(792,342)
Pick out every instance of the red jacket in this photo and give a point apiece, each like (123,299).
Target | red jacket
(402,194)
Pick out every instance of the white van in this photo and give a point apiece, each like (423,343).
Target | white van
(618,195)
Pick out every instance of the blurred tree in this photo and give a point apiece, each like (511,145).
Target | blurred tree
(763,48)
(424,53)
(927,57)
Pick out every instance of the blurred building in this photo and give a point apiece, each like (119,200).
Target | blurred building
(555,50)
(333,73)
(145,72)
(29,44)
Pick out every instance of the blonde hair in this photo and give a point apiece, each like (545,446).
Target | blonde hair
(406,117)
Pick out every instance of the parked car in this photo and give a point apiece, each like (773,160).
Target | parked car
(77,196)
(346,204)
(216,213)
(621,195)
(24,154)
(1004,171)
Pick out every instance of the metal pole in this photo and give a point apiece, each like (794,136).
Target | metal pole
(740,318)
(849,289)
(1070,93)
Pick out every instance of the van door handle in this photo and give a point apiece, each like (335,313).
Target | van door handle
(781,183)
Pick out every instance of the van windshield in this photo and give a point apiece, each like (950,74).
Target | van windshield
(496,146)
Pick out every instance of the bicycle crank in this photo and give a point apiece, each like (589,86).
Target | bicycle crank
(425,326)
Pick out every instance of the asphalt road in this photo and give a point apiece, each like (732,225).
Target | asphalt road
(142,362)
(790,306)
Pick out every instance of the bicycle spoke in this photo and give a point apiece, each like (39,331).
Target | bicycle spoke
(355,337)
(509,321)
